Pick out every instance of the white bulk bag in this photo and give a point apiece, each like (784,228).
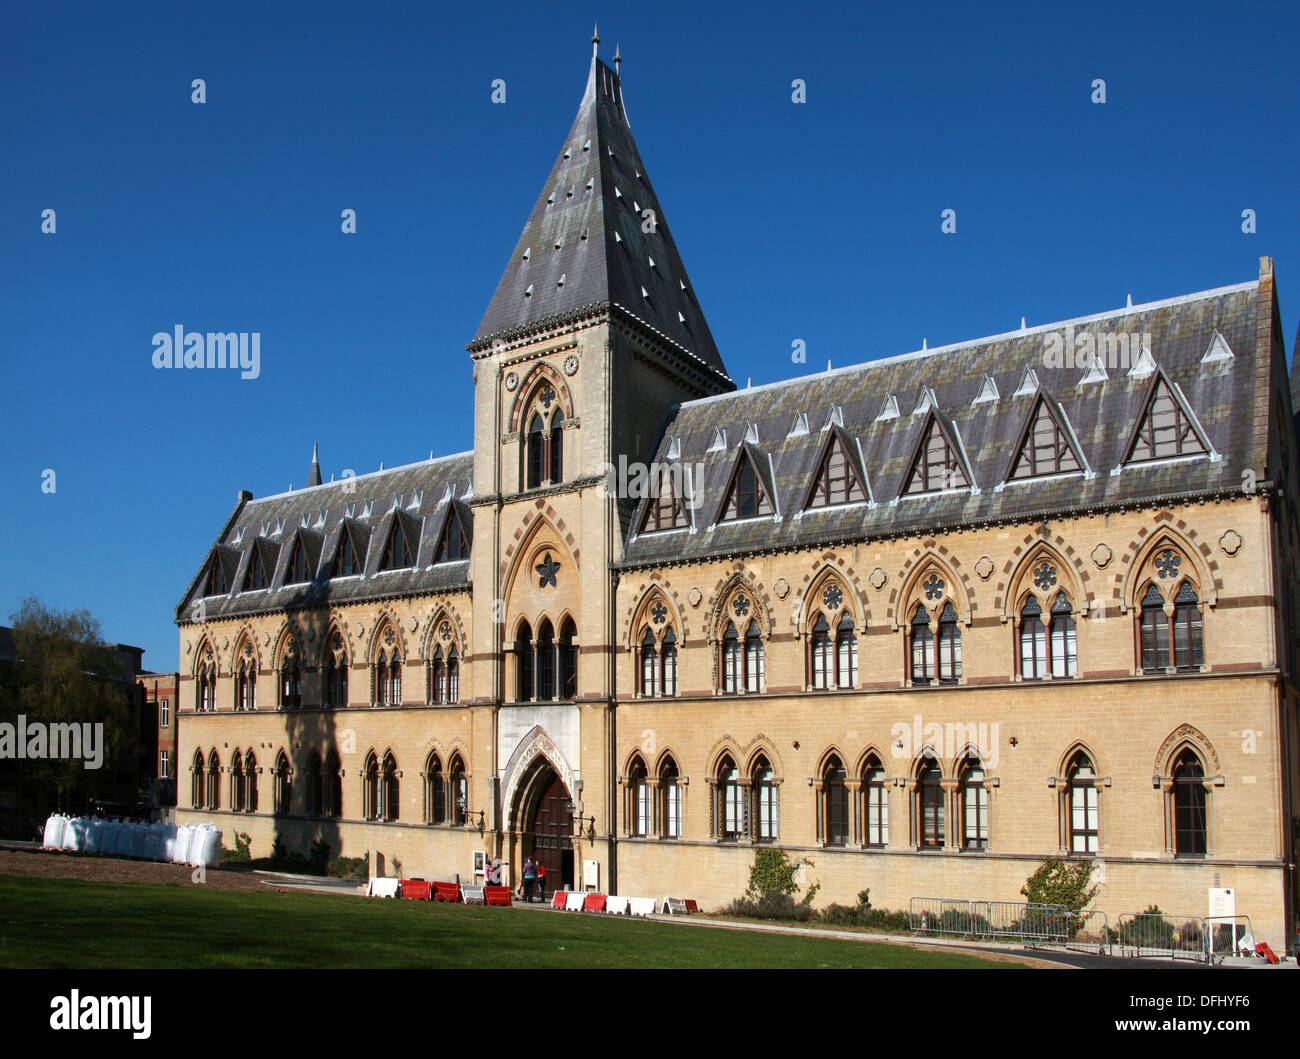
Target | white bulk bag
(205,847)
(54,832)
(181,847)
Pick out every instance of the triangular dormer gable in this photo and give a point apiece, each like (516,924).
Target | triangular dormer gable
(924,401)
(219,575)
(719,441)
(1046,444)
(888,409)
(1167,427)
(1028,383)
(261,564)
(304,557)
(665,507)
(453,541)
(839,477)
(1095,370)
(400,544)
(938,462)
(800,425)
(749,491)
(1143,364)
(1218,349)
(350,551)
(988,392)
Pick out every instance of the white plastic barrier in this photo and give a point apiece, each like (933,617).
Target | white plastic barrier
(383,887)
(574,902)
(616,906)
(54,832)
(641,906)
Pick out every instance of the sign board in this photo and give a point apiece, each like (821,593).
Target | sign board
(1223,902)
(591,874)
(480,862)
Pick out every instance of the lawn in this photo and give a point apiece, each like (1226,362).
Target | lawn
(57,923)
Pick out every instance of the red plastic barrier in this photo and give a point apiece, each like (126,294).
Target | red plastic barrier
(692,905)
(497,895)
(1268,954)
(416,890)
(559,898)
(446,891)
(594,903)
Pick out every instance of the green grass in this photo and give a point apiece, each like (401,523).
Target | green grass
(55,923)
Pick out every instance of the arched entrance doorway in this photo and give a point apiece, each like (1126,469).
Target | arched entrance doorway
(544,816)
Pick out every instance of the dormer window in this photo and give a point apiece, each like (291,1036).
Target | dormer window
(398,554)
(453,545)
(747,496)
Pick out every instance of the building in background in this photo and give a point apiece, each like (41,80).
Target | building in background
(160,710)
(923,622)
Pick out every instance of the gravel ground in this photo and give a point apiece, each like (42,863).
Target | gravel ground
(53,864)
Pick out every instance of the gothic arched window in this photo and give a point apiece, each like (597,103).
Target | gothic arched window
(1191,830)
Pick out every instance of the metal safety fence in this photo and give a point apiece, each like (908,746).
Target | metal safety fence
(1201,938)
(1023,922)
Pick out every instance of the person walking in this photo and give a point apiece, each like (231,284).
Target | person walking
(541,881)
(530,876)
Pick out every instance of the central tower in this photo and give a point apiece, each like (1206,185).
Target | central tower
(593,334)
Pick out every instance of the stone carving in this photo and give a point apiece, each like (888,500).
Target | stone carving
(1102,555)
(571,364)
(412,623)
(781,588)
(984,567)
(878,578)
(1230,542)
(694,597)
(512,381)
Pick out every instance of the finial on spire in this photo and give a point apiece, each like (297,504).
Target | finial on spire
(617,58)
(313,475)
(595,38)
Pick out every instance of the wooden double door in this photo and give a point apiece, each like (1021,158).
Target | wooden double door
(550,833)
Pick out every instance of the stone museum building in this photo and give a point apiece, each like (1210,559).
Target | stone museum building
(922,622)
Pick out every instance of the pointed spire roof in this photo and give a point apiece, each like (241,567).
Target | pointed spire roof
(599,224)
(313,475)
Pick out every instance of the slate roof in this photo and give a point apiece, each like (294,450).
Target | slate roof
(592,208)
(366,503)
(1102,415)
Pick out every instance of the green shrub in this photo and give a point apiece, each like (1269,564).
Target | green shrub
(1058,882)
(771,873)
(240,854)
(348,868)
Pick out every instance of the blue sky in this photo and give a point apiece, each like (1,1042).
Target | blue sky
(818,221)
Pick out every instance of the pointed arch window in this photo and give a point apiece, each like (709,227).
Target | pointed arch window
(545,661)
(336,677)
(846,653)
(398,554)
(1083,809)
(732,664)
(937,466)
(568,660)
(670,799)
(438,677)
(524,662)
(250,782)
(555,448)
(1154,631)
(949,646)
(638,801)
(1033,641)
(833,664)
(1045,448)
(975,806)
(290,682)
(767,802)
(544,442)
(1191,829)
(729,811)
(214,781)
(390,794)
(453,675)
(1189,653)
(836,480)
(333,784)
(283,785)
(747,496)
(835,803)
(922,646)
(459,792)
(237,787)
(388,678)
(435,792)
(198,789)
(668,658)
(246,683)
(536,452)
(1166,429)
(649,665)
(370,788)
(823,664)
(929,804)
(206,686)
(754,661)
(315,785)
(875,801)
(1065,640)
